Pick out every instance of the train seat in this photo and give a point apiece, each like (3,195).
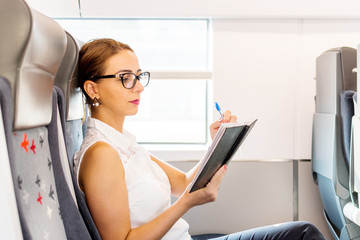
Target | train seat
(29,67)
(32,49)
(72,113)
(351,209)
(335,87)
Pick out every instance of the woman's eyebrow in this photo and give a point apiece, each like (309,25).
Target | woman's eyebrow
(127,71)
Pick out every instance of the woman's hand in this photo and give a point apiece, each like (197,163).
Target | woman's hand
(206,194)
(214,127)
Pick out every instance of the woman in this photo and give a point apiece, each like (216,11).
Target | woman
(128,190)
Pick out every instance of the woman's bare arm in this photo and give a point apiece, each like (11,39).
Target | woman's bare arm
(103,181)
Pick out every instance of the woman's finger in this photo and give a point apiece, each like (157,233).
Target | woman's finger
(233,119)
(218,176)
(227,115)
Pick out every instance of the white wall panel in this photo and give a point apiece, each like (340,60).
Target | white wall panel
(224,8)
(255,62)
(200,8)
(56,8)
(265,69)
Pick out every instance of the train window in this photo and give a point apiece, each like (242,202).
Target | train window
(173,106)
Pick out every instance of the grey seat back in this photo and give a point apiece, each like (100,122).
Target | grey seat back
(351,209)
(35,46)
(72,114)
(34,49)
(63,81)
(335,85)
(14,20)
(74,224)
(346,114)
(73,109)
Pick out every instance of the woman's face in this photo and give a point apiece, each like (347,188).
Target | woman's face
(115,99)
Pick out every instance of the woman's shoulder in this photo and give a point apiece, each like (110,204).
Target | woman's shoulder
(100,165)
(100,149)
(101,155)
(93,141)
(96,144)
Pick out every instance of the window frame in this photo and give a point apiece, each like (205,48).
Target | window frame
(184,75)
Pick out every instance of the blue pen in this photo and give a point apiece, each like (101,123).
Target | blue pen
(219,110)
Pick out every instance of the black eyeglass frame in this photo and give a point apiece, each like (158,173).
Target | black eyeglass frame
(121,77)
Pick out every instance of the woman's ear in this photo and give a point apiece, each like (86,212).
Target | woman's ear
(90,88)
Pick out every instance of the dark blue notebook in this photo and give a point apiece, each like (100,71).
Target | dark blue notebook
(226,142)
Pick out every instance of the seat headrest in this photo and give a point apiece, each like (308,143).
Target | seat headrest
(33,62)
(15,25)
(348,57)
(66,80)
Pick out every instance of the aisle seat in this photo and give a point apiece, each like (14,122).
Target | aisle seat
(335,86)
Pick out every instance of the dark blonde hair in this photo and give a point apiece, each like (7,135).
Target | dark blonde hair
(92,59)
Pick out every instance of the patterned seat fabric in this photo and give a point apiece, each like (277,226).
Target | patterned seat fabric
(35,184)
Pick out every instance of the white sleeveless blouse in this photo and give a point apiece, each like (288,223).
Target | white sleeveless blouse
(148,186)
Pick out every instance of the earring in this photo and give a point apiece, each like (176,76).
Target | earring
(95,102)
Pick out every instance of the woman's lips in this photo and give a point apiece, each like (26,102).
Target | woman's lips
(136,101)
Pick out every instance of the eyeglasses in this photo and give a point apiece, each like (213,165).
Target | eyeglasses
(128,79)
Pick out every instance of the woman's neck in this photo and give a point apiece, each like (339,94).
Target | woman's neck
(115,122)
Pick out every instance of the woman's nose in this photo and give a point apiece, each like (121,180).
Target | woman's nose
(138,86)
